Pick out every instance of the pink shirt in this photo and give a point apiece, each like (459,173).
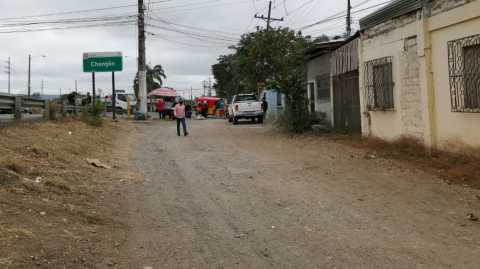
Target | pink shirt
(179,111)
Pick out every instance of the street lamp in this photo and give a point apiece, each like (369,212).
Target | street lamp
(29,60)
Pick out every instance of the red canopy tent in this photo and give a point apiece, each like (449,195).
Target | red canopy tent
(163,92)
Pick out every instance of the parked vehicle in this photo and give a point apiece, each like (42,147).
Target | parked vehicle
(245,106)
(209,102)
(121,100)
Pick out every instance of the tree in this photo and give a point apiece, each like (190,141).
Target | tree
(36,95)
(154,79)
(272,56)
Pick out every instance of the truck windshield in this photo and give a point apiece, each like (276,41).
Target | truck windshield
(132,97)
(246,98)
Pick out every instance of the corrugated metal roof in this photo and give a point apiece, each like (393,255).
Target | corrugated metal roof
(390,11)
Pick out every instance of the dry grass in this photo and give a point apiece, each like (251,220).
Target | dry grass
(47,150)
(460,165)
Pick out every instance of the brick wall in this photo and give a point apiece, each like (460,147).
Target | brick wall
(410,97)
(390,25)
(440,6)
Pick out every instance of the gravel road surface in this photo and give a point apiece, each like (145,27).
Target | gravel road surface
(246,196)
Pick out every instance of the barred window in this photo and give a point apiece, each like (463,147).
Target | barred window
(379,84)
(464,69)
(323,87)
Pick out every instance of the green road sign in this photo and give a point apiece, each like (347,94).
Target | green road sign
(102,62)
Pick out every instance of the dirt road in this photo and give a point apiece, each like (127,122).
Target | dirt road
(246,197)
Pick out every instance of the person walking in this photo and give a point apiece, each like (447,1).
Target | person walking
(160,108)
(265,107)
(179,113)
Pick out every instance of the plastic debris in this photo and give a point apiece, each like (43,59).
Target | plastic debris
(97,163)
(25,180)
(470,216)
(69,133)
(369,255)
(43,213)
(38,180)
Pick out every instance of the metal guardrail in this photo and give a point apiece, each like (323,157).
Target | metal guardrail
(18,103)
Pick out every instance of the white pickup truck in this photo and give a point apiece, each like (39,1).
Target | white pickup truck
(245,106)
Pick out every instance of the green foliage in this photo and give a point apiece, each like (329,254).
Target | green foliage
(297,117)
(36,95)
(94,114)
(154,79)
(320,118)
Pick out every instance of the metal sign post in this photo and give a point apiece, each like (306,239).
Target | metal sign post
(103,62)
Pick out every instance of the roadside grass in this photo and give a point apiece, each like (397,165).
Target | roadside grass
(460,165)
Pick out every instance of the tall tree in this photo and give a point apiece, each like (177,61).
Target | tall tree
(154,79)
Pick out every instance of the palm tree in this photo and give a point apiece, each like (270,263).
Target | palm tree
(154,79)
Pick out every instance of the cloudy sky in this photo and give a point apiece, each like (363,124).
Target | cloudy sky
(186,36)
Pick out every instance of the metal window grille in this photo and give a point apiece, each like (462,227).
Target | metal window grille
(379,84)
(464,69)
(323,87)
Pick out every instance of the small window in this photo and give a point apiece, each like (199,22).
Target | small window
(464,71)
(279,99)
(323,87)
(379,84)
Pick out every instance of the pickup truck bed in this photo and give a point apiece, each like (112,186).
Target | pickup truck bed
(245,106)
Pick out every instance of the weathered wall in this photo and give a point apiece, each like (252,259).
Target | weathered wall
(317,67)
(390,25)
(399,43)
(274,111)
(452,127)
(440,6)
(410,93)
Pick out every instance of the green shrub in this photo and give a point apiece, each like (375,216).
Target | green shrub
(319,118)
(93,115)
(297,117)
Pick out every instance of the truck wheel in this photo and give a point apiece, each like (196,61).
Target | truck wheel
(235,120)
(253,119)
(260,119)
(230,119)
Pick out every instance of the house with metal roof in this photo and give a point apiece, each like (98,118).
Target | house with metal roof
(420,72)
(318,77)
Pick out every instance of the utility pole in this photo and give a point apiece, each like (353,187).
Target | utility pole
(349,20)
(269,19)
(204,83)
(142,69)
(76,86)
(42,88)
(29,60)
(8,72)
(60,92)
(210,87)
(191,93)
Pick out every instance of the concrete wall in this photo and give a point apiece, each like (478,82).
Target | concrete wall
(452,127)
(317,67)
(274,111)
(400,44)
(440,6)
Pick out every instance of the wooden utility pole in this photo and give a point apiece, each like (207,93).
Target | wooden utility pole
(349,20)
(269,18)
(142,68)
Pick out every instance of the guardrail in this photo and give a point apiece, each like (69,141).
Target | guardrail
(16,104)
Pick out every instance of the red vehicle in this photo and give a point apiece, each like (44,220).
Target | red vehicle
(209,102)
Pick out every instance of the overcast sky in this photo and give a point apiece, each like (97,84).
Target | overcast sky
(205,29)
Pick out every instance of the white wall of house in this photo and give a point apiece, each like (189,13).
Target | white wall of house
(398,42)
(319,67)
(457,23)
